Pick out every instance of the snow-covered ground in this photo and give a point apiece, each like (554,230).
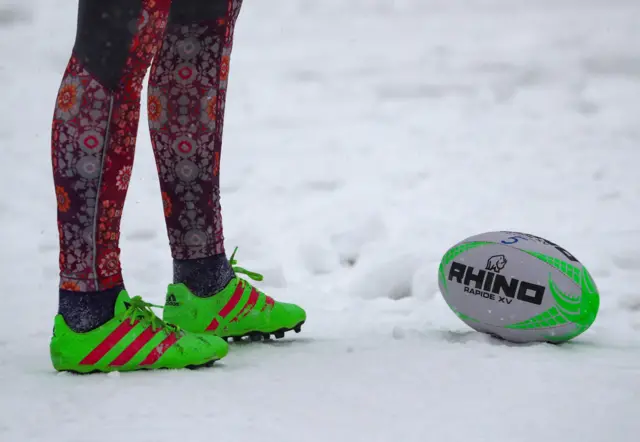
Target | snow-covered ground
(363,138)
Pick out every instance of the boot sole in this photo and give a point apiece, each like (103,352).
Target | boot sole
(255,336)
(207,364)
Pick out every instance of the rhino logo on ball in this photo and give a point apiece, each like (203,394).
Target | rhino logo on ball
(496,263)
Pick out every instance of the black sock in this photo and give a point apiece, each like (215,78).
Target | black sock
(85,311)
(204,276)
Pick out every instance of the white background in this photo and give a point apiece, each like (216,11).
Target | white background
(373,131)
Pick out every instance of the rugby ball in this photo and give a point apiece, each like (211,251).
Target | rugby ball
(518,287)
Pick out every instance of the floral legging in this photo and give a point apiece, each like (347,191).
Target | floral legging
(187,43)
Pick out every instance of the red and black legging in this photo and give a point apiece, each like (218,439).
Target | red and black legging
(96,121)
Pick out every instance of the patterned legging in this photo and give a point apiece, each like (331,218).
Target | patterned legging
(96,121)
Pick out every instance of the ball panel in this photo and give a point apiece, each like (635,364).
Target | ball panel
(451,254)
(498,285)
(577,310)
(571,271)
(526,241)
(555,334)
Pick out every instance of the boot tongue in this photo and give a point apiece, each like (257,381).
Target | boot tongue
(123,302)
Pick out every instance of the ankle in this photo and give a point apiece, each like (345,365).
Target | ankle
(203,276)
(86,311)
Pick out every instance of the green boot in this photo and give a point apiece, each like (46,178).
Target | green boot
(134,339)
(236,311)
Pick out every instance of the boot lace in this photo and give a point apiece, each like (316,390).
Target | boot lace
(241,270)
(137,309)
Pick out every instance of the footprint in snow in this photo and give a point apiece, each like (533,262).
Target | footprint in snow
(142,235)
(629,260)
(11,15)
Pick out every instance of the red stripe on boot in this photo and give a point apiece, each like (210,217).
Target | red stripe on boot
(160,349)
(235,299)
(269,303)
(214,325)
(108,343)
(133,348)
(253,298)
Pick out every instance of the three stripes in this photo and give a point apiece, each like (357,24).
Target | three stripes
(233,303)
(132,349)
(148,334)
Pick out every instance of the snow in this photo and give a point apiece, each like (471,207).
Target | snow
(363,138)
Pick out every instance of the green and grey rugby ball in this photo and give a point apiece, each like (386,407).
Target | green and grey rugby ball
(519,287)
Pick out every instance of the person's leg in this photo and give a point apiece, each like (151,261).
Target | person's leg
(93,141)
(98,326)
(187,92)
